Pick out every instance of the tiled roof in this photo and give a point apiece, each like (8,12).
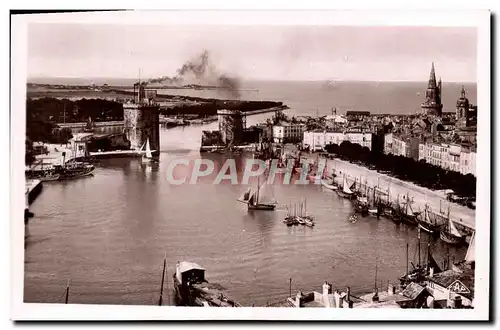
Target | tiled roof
(448,277)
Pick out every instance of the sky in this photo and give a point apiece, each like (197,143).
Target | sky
(259,52)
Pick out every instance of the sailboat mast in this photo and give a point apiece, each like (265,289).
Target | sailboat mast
(407,259)
(418,246)
(67,293)
(162,281)
(258,188)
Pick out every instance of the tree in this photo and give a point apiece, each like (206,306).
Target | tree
(29,153)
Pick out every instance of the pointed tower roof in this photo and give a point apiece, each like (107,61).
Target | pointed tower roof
(462,93)
(432,77)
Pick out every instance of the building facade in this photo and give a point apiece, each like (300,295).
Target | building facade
(288,132)
(432,104)
(401,145)
(317,140)
(453,157)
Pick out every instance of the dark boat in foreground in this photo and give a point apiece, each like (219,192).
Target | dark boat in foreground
(427,225)
(450,234)
(192,289)
(74,170)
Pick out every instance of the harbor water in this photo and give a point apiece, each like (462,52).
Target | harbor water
(108,235)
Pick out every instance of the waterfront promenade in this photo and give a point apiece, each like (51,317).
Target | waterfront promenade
(421,196)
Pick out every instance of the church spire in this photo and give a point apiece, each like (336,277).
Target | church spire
(432,77)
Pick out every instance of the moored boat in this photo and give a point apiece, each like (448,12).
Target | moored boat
(450,234)
(75,170)
(346,191)
(192,289)
(427,224)
(147,158)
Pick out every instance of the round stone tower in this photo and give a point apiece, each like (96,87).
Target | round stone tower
(142,121)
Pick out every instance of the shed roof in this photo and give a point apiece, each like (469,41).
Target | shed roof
(187,266)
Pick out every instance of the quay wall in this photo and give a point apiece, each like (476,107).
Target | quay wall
(462,216)
(33,189)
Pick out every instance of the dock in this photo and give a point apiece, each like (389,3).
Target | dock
(33,189)
(463,217)
(115,154)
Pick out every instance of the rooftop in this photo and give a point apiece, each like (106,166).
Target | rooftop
(461,282)
(187,266)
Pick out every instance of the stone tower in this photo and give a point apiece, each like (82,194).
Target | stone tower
(142,121)
(432,104)
(462,110)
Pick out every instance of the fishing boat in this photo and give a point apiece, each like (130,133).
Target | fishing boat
(374,211)
(450,234)
(329,183)
(258,200)
(42,175)
(361,205)
(303,218)
(147,158)
(74,170)
(426,224)
(192,289)
(346,191)
(309,222)
(407,214)
(39,172)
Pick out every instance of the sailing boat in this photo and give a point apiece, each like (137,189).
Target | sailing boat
(148,156)
(427,224)
(258,200)
(304,218)
(346,191)
(450,234)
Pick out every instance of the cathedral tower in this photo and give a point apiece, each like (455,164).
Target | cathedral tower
(432,104)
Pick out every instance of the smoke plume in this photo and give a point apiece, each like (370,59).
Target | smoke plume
(201,71)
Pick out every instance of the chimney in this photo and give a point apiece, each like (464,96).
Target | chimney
(326,291)
(375,296)
(391,289)
(336,297)
(456,302)
(347,300)
(298,299)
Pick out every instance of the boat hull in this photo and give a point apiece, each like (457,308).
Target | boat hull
(262,207)
(450,239)
(346,195)
(328,186)
(429,228)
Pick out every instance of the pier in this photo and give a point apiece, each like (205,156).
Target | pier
(462,216)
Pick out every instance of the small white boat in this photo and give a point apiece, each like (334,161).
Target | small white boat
(148,155)
(328,185)
(309,222)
